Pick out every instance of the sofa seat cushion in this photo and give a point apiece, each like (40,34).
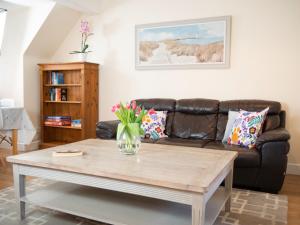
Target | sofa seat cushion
(247,158)
(148,140)
(182,142)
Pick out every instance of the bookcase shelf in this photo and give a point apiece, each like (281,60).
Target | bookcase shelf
(64,127)
(81,81)
(62,85)
(63,102)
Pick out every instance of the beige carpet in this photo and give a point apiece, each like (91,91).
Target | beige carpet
(248,208)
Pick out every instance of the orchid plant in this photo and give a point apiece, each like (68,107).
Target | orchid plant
(85,33)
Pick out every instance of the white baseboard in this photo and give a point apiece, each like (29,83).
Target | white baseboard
(293,168)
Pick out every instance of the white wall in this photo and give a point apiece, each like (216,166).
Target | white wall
(21,27)
(264,55)
(11,58)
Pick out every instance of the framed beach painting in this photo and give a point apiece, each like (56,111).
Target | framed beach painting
(200,43)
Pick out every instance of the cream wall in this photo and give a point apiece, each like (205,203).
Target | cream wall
(265,50)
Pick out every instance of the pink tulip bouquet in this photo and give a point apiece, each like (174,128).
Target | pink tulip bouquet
(85,33)
(129,129)
(129,113)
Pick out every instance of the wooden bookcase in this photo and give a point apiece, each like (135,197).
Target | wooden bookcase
(81,82)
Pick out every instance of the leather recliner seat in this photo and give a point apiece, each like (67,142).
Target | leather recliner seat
(202,122)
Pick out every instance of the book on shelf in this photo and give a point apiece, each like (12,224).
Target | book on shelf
(58,94)
(56,78)
(76,123)
(64,94)
(58,121)
(58,117)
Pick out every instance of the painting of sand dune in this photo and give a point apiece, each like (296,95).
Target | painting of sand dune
(198,43)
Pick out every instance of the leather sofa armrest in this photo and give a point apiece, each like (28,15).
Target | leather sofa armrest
(273,165)
(107,129)
(277,135)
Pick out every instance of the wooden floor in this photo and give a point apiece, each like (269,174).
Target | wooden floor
(291,188)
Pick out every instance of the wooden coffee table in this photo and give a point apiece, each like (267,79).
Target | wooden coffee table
(162,184)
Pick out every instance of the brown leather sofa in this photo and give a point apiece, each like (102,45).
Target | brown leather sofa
(202,123)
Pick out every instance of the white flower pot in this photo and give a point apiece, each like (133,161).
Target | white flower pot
(82,57)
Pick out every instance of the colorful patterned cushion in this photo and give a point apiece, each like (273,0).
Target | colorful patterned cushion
(232,115)
(154,123)
(246,128)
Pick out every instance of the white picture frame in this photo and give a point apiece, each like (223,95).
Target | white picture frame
(189,44)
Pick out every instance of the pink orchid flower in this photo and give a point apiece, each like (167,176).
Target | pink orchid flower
(84,28)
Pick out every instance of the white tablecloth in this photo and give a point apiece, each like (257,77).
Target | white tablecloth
(17,118)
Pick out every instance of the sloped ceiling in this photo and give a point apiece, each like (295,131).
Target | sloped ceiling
(53,31)
(9,5)
(24,2)
(90,6)
(86,6)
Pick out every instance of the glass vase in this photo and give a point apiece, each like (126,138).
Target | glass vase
(128,138)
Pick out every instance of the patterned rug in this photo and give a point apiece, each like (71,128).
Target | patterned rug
(248,208)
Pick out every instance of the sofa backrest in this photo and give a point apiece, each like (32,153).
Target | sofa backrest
(272,120)
(206,118)
(195,118)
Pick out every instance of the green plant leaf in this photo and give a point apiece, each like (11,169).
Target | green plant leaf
(140,116)
(142,131)
(75,52)
(85,48)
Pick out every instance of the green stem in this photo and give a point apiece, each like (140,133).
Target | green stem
(85,39)
(81,42)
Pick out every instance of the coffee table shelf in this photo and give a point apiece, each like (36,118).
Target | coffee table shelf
(119,208)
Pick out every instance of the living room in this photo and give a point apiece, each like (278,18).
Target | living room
(65,63)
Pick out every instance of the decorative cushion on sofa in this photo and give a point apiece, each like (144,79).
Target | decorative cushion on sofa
(247,127)
(232,115)
(274,118)
(160,104)
(154,123)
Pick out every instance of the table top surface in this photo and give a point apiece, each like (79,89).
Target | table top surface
(176,167)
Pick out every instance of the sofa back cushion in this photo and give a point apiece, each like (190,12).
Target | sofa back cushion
(272,121)
(195,118)
(160,104)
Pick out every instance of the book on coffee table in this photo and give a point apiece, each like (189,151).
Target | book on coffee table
(65,153)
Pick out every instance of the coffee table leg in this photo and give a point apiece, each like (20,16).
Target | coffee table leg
(19,184)
(198,210)
(228,188)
